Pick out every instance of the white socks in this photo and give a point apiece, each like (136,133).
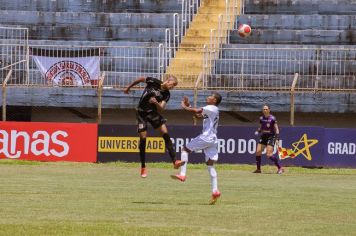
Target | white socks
(183,168)
(213,178)
(211,170)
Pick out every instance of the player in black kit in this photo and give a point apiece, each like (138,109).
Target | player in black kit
(152,102)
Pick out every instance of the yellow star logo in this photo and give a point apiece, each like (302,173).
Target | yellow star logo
(305,151)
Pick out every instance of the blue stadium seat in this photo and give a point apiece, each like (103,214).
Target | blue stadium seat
(87,19)
(101,20)
(75,32)
(153,6)
(298,22)
(308,36)
(230,60)
(302,7)
(297,29)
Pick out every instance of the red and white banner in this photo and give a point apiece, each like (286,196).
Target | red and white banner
(69,71)
(48,141)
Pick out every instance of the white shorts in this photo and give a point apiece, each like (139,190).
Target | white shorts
(210,148)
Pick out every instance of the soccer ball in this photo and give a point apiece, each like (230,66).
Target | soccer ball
(244,30)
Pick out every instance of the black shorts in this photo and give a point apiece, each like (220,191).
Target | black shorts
(268,139)
(155,119)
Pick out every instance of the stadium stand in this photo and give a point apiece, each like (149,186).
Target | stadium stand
(313,38)
(107,6)
(92,20)
(128,32)
(298,29)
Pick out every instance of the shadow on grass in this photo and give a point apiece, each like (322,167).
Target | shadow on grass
(19,162)
(184,204)
(153,203)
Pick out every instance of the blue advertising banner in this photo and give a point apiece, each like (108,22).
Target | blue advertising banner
(235,144)
(306,143)
(298,146)
(340,147)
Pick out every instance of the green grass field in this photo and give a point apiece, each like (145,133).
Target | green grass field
(112,199)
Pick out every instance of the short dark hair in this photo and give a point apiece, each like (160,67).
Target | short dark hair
(266,105)
(217,97)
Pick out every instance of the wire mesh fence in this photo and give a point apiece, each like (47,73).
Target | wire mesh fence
(319,68)
(14,53)
(323,69)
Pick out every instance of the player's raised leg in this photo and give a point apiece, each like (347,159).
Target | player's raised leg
(169,146)
(183,169)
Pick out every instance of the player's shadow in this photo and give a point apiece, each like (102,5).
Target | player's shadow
(183,204)
(153,203)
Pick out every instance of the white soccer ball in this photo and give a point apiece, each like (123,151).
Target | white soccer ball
(244,30)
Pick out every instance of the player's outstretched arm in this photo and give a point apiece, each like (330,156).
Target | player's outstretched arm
(276,130)
(137,81)
(186,106)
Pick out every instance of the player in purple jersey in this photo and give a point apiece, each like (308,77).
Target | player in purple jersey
(152,102)
(269,135)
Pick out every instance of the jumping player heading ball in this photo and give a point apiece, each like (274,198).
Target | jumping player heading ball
(152,102)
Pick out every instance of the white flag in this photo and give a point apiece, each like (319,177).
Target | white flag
(69,71)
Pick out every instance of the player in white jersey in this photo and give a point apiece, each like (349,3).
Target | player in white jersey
(207,141)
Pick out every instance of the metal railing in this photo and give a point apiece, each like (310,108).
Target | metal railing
(121,64)
(319,69)
(4,94)
(173,37)
(221,35)
(189,9)
(14,52)
(233,8)
(242,68)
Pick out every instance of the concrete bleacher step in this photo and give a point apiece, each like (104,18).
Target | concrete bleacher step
(111,77)
(273,51)
(87,19)
(277,59)
(93,6)
(83,43)
(91,26)
(123,79)
(76,32)
(278,82)
(298,22)
(342,7)
(309,36)
(188,63)
(137,65)
(250,81)
(211,10)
